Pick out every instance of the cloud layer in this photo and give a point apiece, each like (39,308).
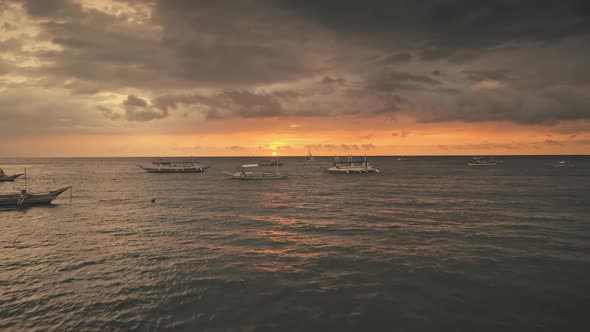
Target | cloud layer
(114,66)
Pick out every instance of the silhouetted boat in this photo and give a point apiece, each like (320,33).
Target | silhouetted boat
(5,177)
(478,161)
(251,172)
(171,166)
(25,198)
(309,156)
(273,162)
(564,163)
(351,167)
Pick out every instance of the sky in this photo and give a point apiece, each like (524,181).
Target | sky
(222,78)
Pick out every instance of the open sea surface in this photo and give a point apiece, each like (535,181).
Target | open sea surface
(429,244)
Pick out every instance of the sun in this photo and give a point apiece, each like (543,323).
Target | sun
(274,153)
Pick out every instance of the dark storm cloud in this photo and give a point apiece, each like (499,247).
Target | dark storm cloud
(138,109)
(397,58)
(332,80)
(108,113)
(545,107)
(244,104)
(51,8)
(394,80)
(497,75)
(342,57)
(451,28)
(186,43)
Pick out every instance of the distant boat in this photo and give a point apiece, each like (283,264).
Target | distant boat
(402,159)
(478,161)
(351,167)
(564,163)
(171,166)
(5,177)
(309,156)
(251,172)
(272,162)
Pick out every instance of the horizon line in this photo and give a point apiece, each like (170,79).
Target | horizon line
(303,156)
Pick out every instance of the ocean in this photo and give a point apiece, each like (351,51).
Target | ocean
(428,244)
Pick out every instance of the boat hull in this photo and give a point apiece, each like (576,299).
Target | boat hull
(334,170)
(16,200)
(174,170)
(257,176)
(10,178)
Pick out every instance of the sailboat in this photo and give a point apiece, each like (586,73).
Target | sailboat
(309,156)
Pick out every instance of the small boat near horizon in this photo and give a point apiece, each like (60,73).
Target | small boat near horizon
(175,166)
(401,158)
(309,156)
(270,162)
(478,161)
(9,178)
(351,167)
(251,172)
(564,163)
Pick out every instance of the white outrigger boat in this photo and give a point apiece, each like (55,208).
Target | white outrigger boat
(351,167)
(171,166)
(251,172)
(478,161)
(6,178)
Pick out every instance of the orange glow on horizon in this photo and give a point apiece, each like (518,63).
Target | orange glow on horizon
(409,139)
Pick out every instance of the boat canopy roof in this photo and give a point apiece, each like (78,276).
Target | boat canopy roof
(168,162)
(249,165)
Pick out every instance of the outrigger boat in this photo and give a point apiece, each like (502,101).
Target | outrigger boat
(5,177)
(478,161)
(171,166)
(251,172)
(351,167)
(273,162)
(26,198)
